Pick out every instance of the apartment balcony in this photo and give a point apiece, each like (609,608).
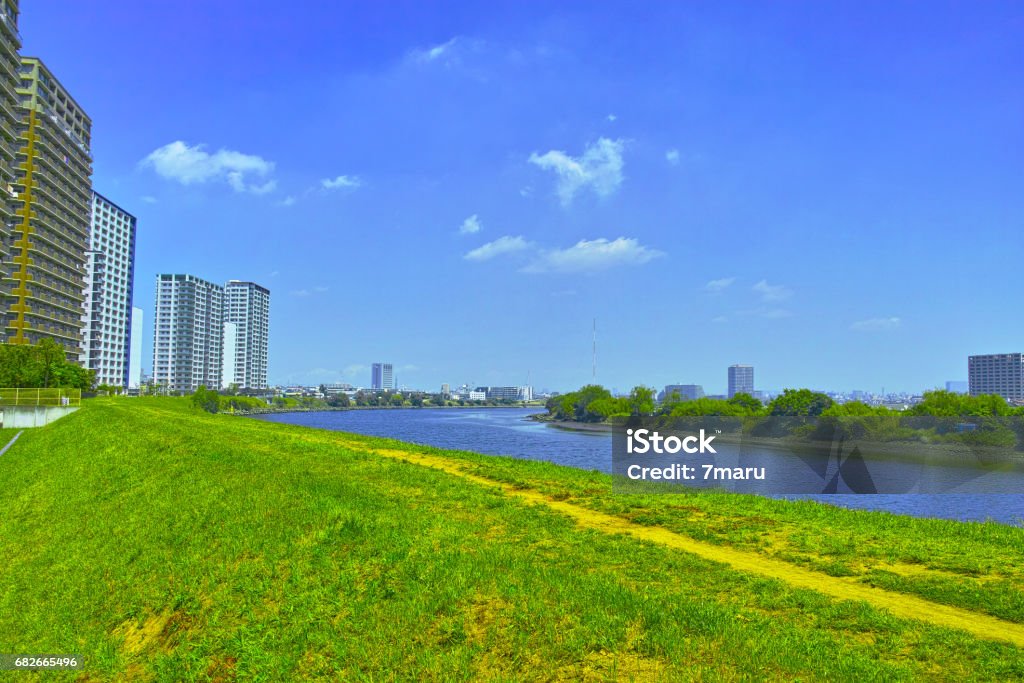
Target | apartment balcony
(75,139)
(9,26)
(56,144)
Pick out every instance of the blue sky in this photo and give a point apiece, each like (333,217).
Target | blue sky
(831,192)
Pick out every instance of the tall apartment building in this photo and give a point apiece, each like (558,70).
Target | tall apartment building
(382,377)
(997,373)
(741,380)
(44,272)
(246,334)
(109,277)
(188,333)
(10,63)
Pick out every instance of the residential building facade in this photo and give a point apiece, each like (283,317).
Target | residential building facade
(997,373)
(741,380)
(524,393)
(10,120)
(43,282)
(382,377)
(188,333)
(135,355)
(247,311)
(110,279)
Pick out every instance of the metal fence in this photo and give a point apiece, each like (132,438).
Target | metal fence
(40,397)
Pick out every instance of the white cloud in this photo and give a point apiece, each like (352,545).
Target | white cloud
(342,182)
(611,118)
(875,324)
(470,226)
(720,319)
(593,255)
(319,289)
(187,165)
(266,187)
(149,199)
(672,157)
(772,292)
(502,245)
(287,201)
(599,168)
(720,284)
(436,52)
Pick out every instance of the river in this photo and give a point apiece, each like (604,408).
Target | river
(508,431)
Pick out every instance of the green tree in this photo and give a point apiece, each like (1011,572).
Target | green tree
(940,403)
(669,402)
(749,404)
(339,400)
(799,402)
(707,406)
(206,399)
(42,365)
(641,400)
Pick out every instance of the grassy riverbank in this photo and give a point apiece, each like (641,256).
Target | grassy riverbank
(162,543)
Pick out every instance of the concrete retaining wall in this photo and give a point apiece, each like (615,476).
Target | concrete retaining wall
(32,416)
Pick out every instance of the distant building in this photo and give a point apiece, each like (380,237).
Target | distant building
(446,389)
(382,377)
(524,393)
(687,392)
(109,280)
(998,373)
(741,379)
(188,333)
(478,396)
(247,309)
(957,386)
(135,355)
(335,389)
(227,374)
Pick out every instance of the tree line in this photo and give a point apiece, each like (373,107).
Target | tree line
(594,403)
(42,366)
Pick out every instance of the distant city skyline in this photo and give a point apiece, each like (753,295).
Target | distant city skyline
(772,183)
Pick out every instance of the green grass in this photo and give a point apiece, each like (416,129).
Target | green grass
(165,544)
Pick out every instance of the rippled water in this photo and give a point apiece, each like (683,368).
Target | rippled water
(507,431)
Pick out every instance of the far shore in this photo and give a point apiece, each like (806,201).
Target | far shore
(572,426)
(270,410)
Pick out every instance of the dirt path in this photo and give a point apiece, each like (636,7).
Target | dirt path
(842,588)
